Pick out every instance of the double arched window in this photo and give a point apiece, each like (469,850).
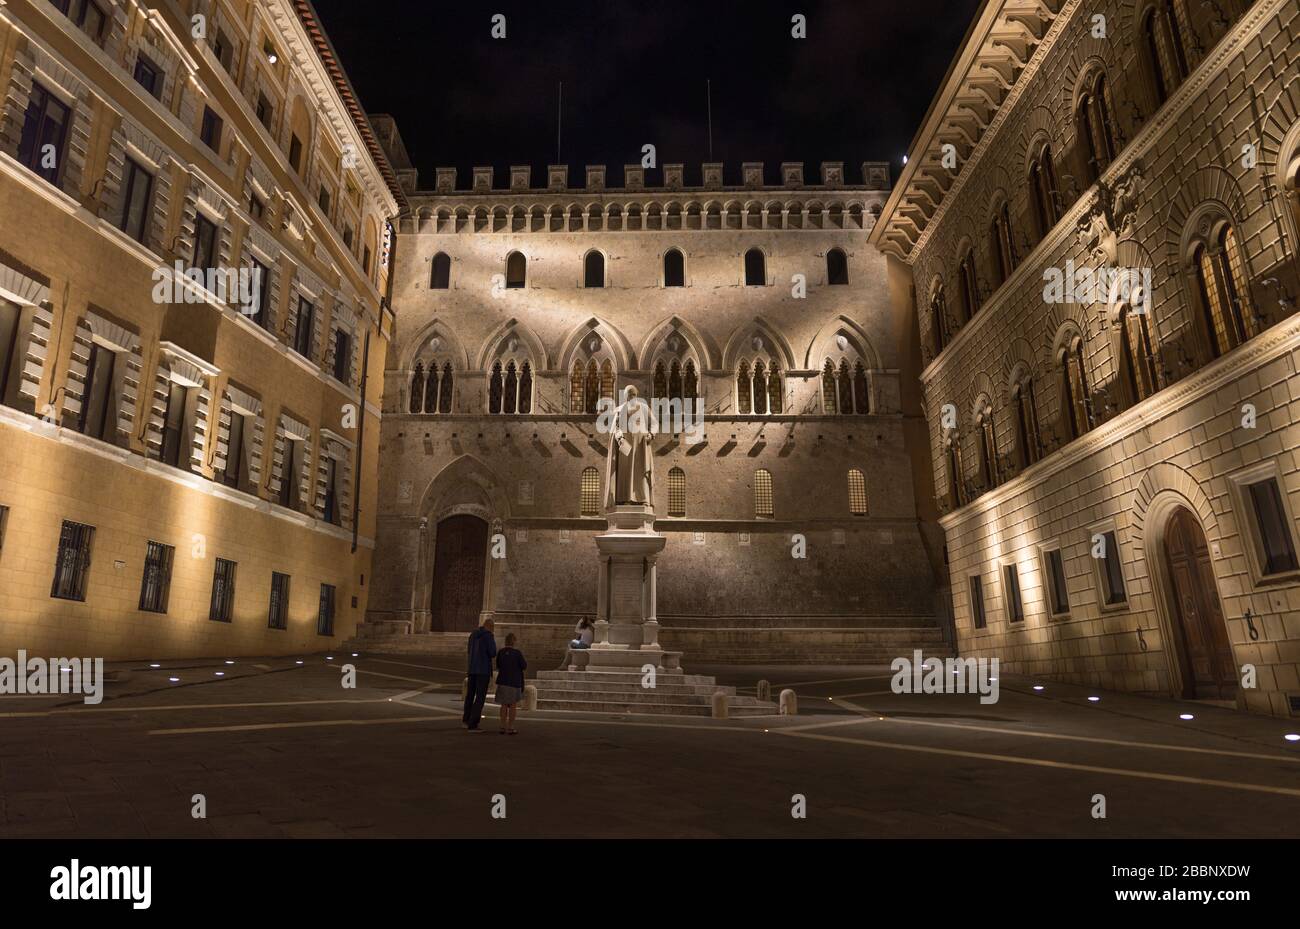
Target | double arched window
(1043,191)
(510,387)
(440,275)
(590,381)
(674,268)
(1165,32)
(1076,403)
(431,387)
(758,387)
(845,389)
(1095,123)
(837,267)
(1224,290)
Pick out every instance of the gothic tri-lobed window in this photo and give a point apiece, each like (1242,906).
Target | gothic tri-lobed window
(431,387)
(1224,291)
(759,389)
(589,383)
(675,380)
(845,390)
(510,388)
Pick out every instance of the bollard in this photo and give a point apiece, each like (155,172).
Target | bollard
(789,703)
(719,705)
(464,688)
(765,690)
(530,696)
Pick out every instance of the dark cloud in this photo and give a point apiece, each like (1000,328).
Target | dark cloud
(854,90)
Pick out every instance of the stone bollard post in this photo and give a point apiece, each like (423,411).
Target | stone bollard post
(765,690)
(720,701)
(789,703)
(530,697)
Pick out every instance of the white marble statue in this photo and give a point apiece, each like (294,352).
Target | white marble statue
(629,465)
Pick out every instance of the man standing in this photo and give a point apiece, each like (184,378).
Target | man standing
(482,649)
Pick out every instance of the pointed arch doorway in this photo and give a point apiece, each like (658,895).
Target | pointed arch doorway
(459,567)
(1201,644)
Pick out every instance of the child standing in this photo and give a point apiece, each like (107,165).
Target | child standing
(510,683)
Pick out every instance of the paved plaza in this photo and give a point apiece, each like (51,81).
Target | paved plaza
(278,748)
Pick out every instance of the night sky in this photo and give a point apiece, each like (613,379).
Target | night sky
(854,90)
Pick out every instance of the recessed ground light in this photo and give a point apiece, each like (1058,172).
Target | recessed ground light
(329,657)
(1038,687)
(1186,716)
(155,666)
(228,661)
(173,679)
(1292,737)
(1094,699)
(354,655)
(221,674)
(299,661)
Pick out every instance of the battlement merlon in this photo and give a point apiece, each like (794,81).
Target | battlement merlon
(875,177)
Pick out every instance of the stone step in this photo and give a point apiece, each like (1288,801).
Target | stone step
(674,709)
(686,690)
(638,696)
(625,677)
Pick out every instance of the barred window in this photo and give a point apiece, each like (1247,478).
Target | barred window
(1015,603)
(857,493)
(72,563)
(278,614)
(978,619)
(325,615)
(1112,574)
(763,494)
(590,492)
(676,492)
(1059,590)
(223,591)
(157,580)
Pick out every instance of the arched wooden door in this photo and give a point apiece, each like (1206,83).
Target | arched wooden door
(1201,636)
(459,559)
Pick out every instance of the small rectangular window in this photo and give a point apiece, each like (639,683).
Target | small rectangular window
(137,197)
(223,49)
(173,451)
(324,200)
(278,616)
(72,563)
(4,523)
(256,206)
(763,506)
(1112,573)
(978,619)
(262,285)
(1011,589)
(342,356)
(11,353)
(289,474)
(1058,592)
(157,579)
(236,474)
(295,153)
(1276,541)
(97,418)
(205,243)
(332,514)
(210,131)
(303,330)
(325,615)
(149,76)
(45,134)
(223,592)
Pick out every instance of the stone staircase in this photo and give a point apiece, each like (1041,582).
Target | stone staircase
(675,694)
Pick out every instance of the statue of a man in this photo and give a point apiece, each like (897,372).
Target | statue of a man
(629,465)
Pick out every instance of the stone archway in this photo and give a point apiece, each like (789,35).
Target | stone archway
(1199,643)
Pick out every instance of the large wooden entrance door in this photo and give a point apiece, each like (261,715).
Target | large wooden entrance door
(1201,636)
(459,558)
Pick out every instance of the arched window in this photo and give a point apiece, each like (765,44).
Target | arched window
(956,471)
(516,270)
(857,493)
(1164,33)
(990,469)
(939,321)
(438,386)
(1224,291)
(744,398)
(691,383)
(660,381)
(837,267)
(417,388)
(830,398)
(1028,441)
(591,391)
(970,291)
(1139,361)
(763,494)
(590,492)
(441,275)
(1043,192)
(674,268)
(1075,401)
(445,390)
(759,401)
(510,389)
(775,393)
(1000,244)
(593,269)
(1095,121)
(755,268)
(676,492)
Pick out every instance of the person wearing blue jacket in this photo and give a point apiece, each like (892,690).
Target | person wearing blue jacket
(482,649)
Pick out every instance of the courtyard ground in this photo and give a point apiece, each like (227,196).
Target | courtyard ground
(278,748)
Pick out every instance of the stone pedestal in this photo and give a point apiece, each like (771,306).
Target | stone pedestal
(627,630)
